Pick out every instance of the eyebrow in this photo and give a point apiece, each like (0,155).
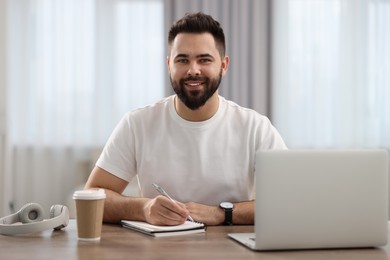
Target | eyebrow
(203,55)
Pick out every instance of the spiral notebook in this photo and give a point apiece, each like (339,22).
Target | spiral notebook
(186,228)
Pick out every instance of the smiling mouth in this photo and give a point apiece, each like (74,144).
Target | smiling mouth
(195,85)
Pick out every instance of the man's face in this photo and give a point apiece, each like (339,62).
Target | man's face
(196,68)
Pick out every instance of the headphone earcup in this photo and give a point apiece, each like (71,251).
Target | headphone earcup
(56,211)
(30,213)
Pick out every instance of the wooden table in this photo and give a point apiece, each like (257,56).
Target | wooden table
(121,243)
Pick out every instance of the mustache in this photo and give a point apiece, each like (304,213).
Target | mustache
(194,78)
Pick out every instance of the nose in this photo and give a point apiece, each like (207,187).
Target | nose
(193,69)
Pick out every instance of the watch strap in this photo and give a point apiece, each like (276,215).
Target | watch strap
(228,217)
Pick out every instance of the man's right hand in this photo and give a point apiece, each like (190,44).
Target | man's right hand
(165,212)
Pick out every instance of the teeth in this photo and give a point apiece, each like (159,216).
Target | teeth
(193,84)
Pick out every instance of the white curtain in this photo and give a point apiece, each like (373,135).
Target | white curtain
(331,73)
(74,68)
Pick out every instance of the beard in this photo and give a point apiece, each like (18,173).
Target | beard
(194,99)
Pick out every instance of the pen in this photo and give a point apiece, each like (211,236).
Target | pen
(164,193)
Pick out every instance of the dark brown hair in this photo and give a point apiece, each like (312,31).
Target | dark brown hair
(199,23)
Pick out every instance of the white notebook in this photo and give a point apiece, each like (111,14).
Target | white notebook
(188,227)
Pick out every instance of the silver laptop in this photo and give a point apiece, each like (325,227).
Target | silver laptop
(308,199)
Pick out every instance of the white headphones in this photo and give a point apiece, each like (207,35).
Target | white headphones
(29,219)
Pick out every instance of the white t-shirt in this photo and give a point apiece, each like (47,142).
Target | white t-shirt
(206,162)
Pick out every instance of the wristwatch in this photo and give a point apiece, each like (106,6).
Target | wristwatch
(228,209)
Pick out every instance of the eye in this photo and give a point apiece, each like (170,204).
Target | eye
(182,61)
(205,60)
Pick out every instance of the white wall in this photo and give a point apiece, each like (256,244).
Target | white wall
(2,103)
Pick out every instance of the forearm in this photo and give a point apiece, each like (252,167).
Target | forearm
(118,207)
(243,213)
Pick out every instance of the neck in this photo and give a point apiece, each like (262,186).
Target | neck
(203,113)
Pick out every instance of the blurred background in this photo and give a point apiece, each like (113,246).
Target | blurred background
(70,69)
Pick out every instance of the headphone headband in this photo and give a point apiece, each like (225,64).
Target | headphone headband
(9,219)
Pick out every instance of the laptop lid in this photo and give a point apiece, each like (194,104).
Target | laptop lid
(321,199)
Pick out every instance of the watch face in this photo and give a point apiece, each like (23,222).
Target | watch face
(226,205)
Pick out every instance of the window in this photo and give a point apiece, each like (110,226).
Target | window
(77,66)
(331,67)
(74,68)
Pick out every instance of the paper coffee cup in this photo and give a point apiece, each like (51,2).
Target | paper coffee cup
(89,213)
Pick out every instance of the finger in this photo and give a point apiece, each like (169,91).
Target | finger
(166,212)
(179,208)
(174,206)
(169,218)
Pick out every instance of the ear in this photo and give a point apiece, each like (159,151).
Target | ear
(168,63)
(225,64)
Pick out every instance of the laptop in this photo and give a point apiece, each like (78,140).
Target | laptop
(315,199)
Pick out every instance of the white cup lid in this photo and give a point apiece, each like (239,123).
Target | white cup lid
(89,194)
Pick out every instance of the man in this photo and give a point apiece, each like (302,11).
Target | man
(196,145)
